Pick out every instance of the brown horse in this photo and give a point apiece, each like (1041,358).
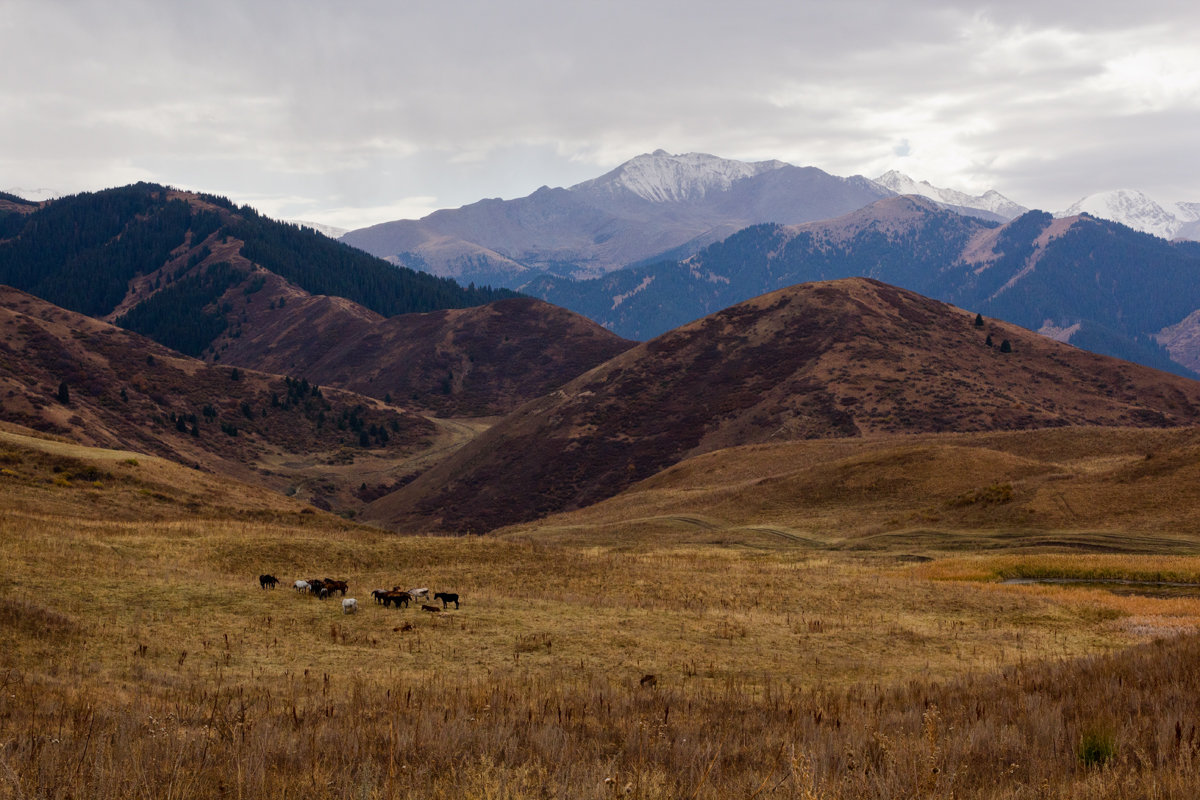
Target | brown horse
(399,598)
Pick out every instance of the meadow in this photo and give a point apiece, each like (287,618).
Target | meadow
(140,657)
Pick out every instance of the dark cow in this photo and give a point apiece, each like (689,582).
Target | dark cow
(267,581)
(446,597)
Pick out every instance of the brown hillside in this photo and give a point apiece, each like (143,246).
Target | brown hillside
(482,361)
(824,360)
(127,392)
(1084,488)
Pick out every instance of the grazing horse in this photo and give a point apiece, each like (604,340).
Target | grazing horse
(317,586)
(300,586)
(378,594)
(336,586)
(399,598)
(649,681)
(419,594)
(267,581)
(447,597)
(349,605)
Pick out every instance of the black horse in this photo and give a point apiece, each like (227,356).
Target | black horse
(446,597)
(267,581)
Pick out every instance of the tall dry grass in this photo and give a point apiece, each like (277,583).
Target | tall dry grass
(567,733)
(139,658)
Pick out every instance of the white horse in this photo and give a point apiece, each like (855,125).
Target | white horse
(300,586)
(349,605)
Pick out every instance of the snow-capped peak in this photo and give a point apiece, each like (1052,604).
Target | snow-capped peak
(662,177)
(1137,210)
(991,200)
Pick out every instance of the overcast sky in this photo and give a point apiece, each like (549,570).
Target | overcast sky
(356,112)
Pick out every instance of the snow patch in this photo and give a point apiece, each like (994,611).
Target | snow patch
(332,231)
(1059,333)
(1137,210)
(621,298)
(991,200)
(662,177)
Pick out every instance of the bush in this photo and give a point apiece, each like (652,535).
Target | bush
(1096,747)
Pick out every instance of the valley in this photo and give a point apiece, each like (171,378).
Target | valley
(838,540)
(778,660)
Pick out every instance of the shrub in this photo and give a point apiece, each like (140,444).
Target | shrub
(1097,747)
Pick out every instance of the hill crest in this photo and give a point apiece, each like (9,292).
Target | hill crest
(822,360)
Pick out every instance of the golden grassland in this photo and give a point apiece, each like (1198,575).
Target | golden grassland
(1093,489)
(139,657)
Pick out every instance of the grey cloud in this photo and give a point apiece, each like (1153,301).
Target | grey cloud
(337,105)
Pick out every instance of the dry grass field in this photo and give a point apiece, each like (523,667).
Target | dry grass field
(1088,489)
(139,657)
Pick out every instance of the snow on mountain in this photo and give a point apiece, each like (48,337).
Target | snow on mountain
(1138,211)
(661,177)
(331,231)
(991,200)
(32,195)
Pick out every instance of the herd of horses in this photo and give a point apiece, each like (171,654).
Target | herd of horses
(324,587)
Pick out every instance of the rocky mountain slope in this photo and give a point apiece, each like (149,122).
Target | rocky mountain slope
(824,360)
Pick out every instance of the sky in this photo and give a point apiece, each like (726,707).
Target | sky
(358,112)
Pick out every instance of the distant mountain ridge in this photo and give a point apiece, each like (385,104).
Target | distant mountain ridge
(993,204)
(1027,271)
(1137,210)
(652,206)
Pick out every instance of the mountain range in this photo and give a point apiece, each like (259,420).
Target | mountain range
(651,207)
(305,366)
(1139,211)
(1093,283)
(662,206)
